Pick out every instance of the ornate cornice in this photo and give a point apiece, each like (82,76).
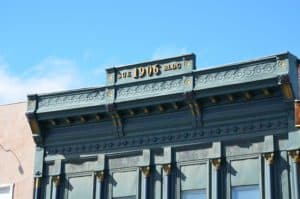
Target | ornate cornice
(185,81)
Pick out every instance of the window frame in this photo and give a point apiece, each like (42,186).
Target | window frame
(68,176)
(11,189)
(120,170)
(240,158)
(191,163)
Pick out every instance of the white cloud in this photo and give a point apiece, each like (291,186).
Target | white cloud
(168,51)
(51,74)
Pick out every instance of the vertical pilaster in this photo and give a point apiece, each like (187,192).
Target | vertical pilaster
(216,188)
(167,181)
(99,185)
(37,187)
(269,159)
(145,182)
(55,187)
(295,155)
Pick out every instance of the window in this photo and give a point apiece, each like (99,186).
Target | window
(244,174)
(128,197)
(124,185)
(6,191)
(193,181)
(193,194)
(245,192)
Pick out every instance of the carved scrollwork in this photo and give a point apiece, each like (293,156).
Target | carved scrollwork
(77,99)
(150,88)
(235,74)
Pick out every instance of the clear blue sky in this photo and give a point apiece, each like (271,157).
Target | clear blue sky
(55,45)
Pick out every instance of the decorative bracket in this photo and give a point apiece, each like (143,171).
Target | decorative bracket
(146,171)
(216,163)
(295,155)
(116,119)
(194,107)
(269,157)
(56,180)
(100,176)
(297,113)
(286,88)
(167,168)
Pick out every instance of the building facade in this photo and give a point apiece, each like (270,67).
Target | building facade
(164,130)
(16,153)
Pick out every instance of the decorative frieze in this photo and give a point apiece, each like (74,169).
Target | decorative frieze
(169,138)
(239,74)
(63,101)
(150,89)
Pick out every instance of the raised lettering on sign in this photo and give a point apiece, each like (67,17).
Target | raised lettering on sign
(149,71)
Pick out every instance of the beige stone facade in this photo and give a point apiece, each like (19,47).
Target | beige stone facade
(16,150)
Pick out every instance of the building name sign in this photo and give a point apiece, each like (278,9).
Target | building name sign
(149,70)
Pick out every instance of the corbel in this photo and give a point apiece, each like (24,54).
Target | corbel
(146,171)
(248,95)
(230,97)
(167,169)
(213,100)
(161,108)
(82,119)
(32,105)
(116,118)
(56,180)
(216,162)
(175,105)
(295,155)
(97,117)
(297,113)
(53,122)
(192,104)
(269,157)
(131,112)
(266,92)
(285,85)
(146,110)
(100,176)
(68,121)
(192,108)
